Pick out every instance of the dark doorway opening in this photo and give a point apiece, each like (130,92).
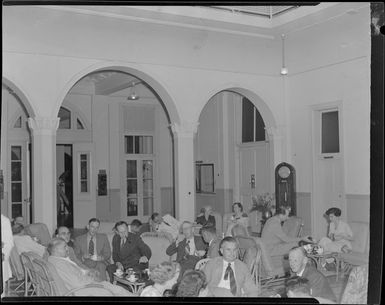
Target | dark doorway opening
(64,185)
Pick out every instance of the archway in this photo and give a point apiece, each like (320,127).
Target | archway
(233,152)
(16,165)
(117,169)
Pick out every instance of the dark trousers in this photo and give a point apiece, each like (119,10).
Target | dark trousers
(112,268)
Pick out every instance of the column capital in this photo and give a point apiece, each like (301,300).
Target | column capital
(184,129)
(43,125)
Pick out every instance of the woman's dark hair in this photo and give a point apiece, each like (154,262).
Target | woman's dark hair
(171,292)
(238,204)
(136,223)
(334,211)
(191,283)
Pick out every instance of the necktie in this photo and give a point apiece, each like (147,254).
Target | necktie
(91,247)
(122,242)
(188,247)
(233,285)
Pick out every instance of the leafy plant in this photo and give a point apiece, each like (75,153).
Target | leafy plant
(263,202)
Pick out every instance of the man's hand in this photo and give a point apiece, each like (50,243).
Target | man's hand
(179,239)
(120,266)
(200,253)
(143,259)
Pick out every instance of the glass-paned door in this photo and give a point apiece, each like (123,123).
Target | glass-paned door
(139,187)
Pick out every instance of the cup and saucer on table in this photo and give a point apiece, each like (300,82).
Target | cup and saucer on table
(119,273)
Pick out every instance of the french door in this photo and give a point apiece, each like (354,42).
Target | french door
(139,187)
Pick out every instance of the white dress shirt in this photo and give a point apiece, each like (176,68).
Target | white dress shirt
(191,244)
(226,283)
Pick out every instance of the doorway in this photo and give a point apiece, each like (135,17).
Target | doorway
(64,186)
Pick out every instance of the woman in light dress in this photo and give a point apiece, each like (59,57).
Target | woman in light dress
(238,217)
(340,234)
(164,276)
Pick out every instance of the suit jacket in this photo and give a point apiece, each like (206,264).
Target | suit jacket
(130,253)
(318,283)
(181,252)
(245,284)
(103,247)
(213,249)
(206,223)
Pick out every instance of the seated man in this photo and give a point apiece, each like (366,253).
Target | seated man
(158,224)
(73,275)
(318,283)
(275,239)
(128,251)
(93,248)
(209,235)
(229,273)
(189,249)
(298,287)
(25,243)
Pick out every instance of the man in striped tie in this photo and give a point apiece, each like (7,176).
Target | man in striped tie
(227,275)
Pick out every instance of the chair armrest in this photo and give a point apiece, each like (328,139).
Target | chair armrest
(72,291)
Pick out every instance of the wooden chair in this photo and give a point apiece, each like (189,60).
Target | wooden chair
(201,264)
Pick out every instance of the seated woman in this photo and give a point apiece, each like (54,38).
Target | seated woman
(164,276)
(205,219)
(238,217)
(193,284)
(340,234)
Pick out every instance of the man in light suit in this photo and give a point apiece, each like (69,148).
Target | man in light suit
(301,267)
(93,249)
(189,249)
(229,273)
(72,275)
(209,235)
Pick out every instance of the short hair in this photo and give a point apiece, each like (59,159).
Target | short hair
(297,284)
(53,244)
(238,230)
(119,223)
(210,229)
(94,220)
(17,228)
(228,239)
(57,230)
(181,226)
(164,272)
(238,204)
(136,223)
(282,209)
(154,215)
(334,211)
(302,249)
(191,283)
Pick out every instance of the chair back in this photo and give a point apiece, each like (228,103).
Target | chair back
(245,243)
(39,230)
(158,243)
(293,226)
(16,265)
(46,282)
(218,223)
(226,218)
(201,264)
(29,270)
(360,242)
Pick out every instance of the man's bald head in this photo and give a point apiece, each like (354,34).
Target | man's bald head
(297,259)
(57,247)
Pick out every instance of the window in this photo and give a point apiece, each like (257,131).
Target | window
(253,126)
(79,124)
(65,118)
(16,181)
(330,142)
(17,123)
(138,145)
(84,173)
(205,178)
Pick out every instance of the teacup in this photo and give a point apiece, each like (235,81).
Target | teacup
(119,272)
(132,278)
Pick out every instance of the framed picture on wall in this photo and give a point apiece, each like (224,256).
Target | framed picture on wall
(205,178)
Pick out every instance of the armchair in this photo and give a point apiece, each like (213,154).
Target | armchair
(40,231)
(158,243)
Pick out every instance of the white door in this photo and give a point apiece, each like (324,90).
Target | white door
(139,188)
(84,183)
(18,182)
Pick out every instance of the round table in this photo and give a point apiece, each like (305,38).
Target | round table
(318,258)
(135,287)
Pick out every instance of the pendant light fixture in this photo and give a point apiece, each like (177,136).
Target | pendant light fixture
(133,96)
(283,68)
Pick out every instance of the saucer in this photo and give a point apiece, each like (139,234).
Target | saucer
(119,274)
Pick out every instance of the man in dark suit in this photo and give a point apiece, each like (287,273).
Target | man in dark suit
(128,251)
(189,249)
(93,248)
(209,235)
(226,275)
(301,267)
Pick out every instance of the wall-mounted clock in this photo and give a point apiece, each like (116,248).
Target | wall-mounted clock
(285,186)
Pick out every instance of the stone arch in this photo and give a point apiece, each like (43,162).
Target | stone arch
(159,88)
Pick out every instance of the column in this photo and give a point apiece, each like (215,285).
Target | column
(44,170)
(184,170)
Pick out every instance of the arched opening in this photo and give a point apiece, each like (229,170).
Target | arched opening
(233,151)
(116,147)
(16,165)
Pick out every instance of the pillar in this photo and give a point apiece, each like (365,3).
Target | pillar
(184,170)
(44,170)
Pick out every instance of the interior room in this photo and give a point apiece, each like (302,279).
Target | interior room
(115,116)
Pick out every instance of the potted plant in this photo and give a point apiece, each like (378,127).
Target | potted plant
(265,204)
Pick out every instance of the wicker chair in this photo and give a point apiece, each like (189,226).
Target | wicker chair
(158,243)
(201,264)
(31,281)
(40,231)
(17,272)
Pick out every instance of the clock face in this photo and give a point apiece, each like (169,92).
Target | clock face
(284,172)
